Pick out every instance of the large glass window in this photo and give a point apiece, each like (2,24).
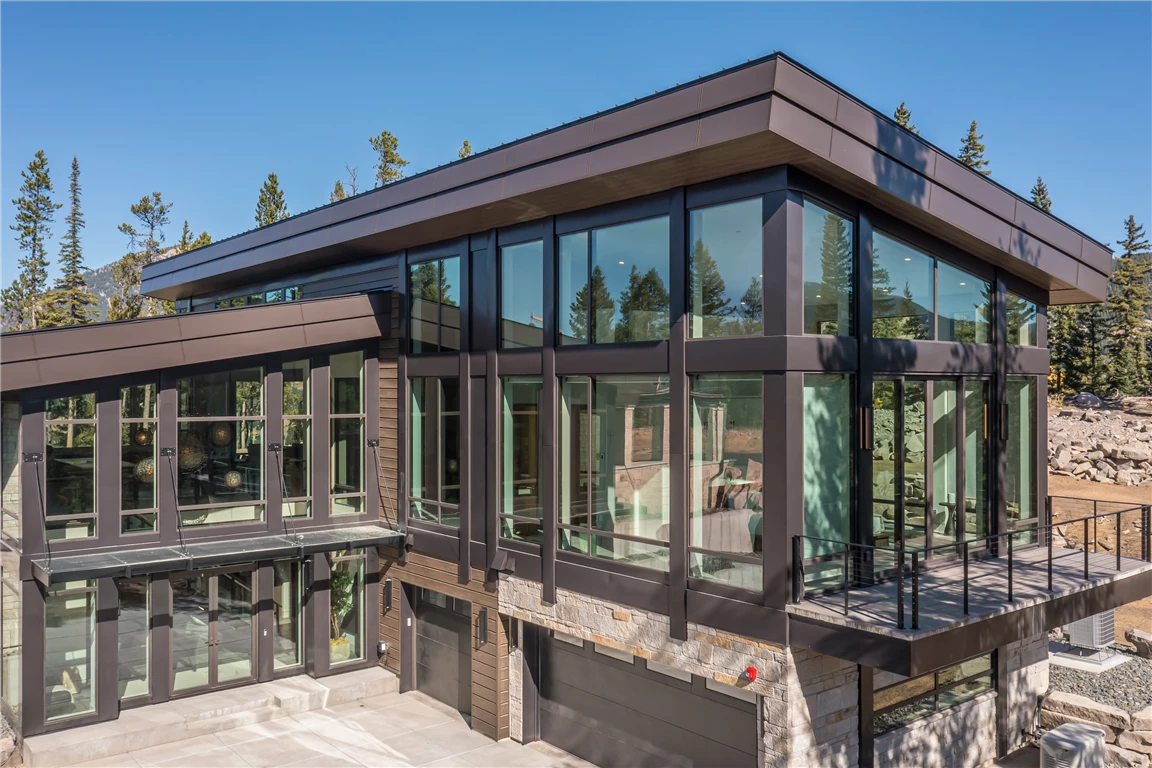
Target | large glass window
(138,458)
(220,447)
(522,446)
(614,472)
(1021,316)
(434,451)
(70,467)
(10,470)
(827,465)
(347,606)
(897,700)
(70,650)
(11,622)
(976,458)
(726,436)
(902,305)
(347,433)
(434,306)
(133,629)
(828,271)
(522,295)
(614,284)
(964,304)
(725,270)
(287,617)
(1021,476)
(296,466)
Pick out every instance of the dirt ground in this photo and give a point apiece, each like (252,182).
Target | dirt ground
(1136,615)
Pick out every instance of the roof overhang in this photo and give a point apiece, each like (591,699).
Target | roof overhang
(75,353)
(768,113)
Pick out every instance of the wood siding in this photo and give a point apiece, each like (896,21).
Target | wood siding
(390,448)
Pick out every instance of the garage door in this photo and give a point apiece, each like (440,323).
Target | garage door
(443,648)
(614,710)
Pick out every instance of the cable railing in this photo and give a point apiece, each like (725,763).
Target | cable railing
(837,572)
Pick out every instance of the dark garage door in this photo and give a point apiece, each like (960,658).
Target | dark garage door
(443,648)
(616,713)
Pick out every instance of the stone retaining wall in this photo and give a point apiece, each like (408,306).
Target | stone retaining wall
(1128,738)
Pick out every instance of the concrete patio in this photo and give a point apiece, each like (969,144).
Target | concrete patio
(393,730)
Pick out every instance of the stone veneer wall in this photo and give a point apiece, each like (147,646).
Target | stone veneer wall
(808,703)
(963,736)
(1026,683)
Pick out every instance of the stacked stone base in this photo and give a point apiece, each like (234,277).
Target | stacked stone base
(1128,738)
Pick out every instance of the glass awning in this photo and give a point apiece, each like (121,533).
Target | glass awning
(55,569)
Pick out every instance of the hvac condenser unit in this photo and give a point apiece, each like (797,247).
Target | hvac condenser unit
(1097,631)
(1072,745)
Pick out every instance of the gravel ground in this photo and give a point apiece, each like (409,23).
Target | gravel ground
(1128,686)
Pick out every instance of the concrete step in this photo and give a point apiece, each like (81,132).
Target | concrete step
(213,712)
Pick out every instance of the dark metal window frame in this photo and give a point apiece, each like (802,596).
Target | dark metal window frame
(435,255)
(431,449)
(362,416)
(937,689)
(526,236)
(49,422)
(845,209)
(506,517)
(287,293)
(154,422)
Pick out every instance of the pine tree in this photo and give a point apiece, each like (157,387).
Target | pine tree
(465,150)
(751,309)
(1091,373)
(1040,197)
(189,243)
(1127,312)
(388,167)
(25,301)
(603,308)
(835,275)
(337,192)
(643,308)
(270,205)
(903,117)
(1066,356)
(972,151)
(706,287)
(144,247)
(72,304)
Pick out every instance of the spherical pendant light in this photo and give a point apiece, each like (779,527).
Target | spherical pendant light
(233,479)
(145,470)
(220,434)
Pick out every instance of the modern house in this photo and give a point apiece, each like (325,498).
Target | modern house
(706,430)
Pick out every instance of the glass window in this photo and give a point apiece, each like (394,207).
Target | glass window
(726,437)
(725,270)
(287,619)
(70,467)
(70,650)
(625,295)
(522,446)
(11,622)
(346,429)
(902,305)
(897,701)
(827,465)
(10,470)
(964,304)
(828,271)
(522,295)
(220,447)
(138,458)
(434,306)
(1021,474)
(1021,315)
(614,472)
(976,458)
(347,607)
(434,451)
(133,628)
(296,460)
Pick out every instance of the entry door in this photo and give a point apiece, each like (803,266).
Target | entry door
(213,642)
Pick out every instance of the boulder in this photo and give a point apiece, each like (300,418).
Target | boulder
(1087,709)
(1080,469)
(1142,720)
(1095,455)
(1143,642)
(1124,758)
(1050,720)
(1137,741)
(1136,452)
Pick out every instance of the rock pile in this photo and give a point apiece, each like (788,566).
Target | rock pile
(1104,446)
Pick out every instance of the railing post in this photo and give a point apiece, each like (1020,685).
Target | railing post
(1010,567)
(1118,516)
(1050,531)
(1147,513)
(965,545)
(797,569)
(847,557)
(1086,544)
(915,590)
(900,586)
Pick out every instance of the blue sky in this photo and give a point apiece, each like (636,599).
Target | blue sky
(202,100)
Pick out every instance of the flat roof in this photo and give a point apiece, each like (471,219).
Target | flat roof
(771,111)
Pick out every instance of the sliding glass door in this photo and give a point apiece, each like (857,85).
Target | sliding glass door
(213,642)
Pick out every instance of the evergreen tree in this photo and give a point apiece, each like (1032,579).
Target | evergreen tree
(751,309)
(1091,371)
(144,247)
(189,243)
(603,308)
(465,150)
(643,308)
(1040,197)
(1127,312)
(72,304)
(903,117)
(835,275)
(337,192)
(972,151)
(25,301)
(389,165)
(270,205)
(706,287)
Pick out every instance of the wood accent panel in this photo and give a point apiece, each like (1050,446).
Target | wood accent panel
(389,451)
(490,714)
